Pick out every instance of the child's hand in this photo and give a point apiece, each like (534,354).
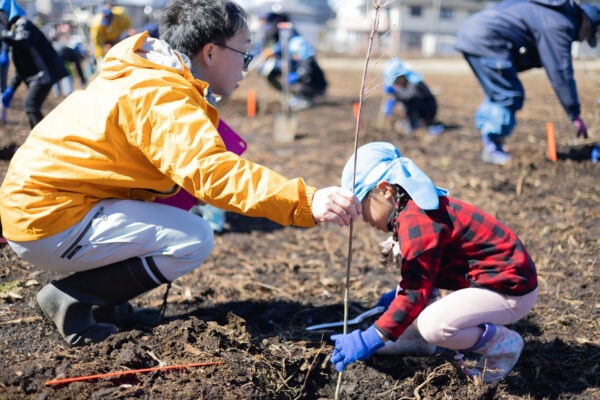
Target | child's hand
(337,205)
(355,346)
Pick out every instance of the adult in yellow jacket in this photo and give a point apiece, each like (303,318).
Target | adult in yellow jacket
(78,195)
(108,27)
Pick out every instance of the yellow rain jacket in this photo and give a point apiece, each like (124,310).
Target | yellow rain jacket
(102,35)
(142,128)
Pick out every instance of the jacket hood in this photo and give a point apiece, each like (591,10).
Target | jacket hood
(143,51)
(12,9)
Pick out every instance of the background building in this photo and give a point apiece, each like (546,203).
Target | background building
(409,28)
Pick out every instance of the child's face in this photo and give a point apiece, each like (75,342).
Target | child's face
(401,81)
(223,64)
(378,206)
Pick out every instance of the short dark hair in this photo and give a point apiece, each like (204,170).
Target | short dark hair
(188,25)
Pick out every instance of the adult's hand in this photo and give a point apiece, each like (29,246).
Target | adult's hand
(357,345)
(337,205)
(581,128)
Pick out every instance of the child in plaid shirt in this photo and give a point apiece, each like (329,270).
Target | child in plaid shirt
(440,242)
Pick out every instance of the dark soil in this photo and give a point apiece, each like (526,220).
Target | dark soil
(249,304)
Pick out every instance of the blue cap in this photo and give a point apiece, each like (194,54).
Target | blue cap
(12,9)
(593,13)
(395,68)
(381,161)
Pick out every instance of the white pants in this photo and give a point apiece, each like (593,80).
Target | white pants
(116,230)
(453,321)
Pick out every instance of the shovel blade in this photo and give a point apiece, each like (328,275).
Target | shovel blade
(285,127)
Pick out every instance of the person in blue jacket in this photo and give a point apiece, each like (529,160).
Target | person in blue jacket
(35,60)
(514,36)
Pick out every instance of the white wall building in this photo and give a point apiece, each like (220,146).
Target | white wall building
(425,27)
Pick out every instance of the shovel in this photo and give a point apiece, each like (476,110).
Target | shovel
(286,123)
(359,318)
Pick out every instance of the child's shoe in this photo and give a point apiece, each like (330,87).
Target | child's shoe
(500,348)
(299,103)
(493,152)
(213,215)
(403,126)
(435,129)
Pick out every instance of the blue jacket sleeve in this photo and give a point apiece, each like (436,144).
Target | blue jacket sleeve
(554,47)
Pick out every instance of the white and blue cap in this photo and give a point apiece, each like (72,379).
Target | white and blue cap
(395,68)
(300,47)
(381,161)
(12,9)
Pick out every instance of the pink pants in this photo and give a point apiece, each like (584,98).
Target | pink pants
(453,321)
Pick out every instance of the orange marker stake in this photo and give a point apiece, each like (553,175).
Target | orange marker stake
(551,137)
(129,372)
(356,109)
(251,103)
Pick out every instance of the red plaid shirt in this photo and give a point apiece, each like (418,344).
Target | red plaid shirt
(454,247)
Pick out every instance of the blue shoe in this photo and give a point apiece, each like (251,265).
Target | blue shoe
(492,152)
(213,215)
(436,129)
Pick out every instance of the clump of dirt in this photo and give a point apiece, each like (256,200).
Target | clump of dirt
(247,307)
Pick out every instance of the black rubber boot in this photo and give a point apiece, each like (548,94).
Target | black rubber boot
(125,314)
(69,302)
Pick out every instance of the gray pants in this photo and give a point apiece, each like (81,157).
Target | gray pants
(116,230)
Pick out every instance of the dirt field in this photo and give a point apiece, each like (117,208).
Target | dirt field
(249,304)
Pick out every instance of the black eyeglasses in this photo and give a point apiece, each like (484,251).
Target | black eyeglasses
(247,56)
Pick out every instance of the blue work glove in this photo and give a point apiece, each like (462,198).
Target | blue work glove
(581,128)
(389,90)
(7,97)
(4,58)
(293,78)
(354,346)
(389,107)
(386,299)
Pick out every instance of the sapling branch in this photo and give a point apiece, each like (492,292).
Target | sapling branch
(378,5)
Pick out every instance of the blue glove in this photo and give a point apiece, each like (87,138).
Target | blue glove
(354,346)
(293,77)
(386,299)
(4,58)
(389,90)
(389,107)
(7,97)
